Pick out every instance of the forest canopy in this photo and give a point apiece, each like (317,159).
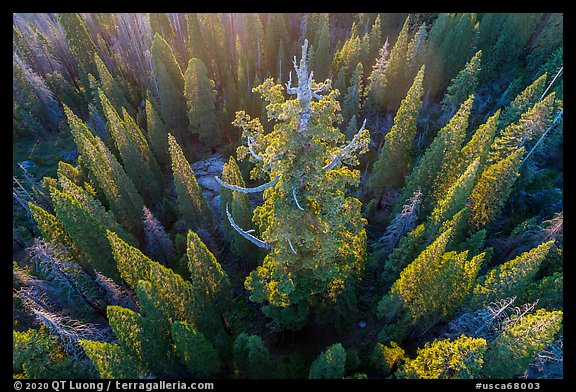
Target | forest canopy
(288,195)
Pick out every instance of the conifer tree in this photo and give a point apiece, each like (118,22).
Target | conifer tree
(157,135)
(191,202)
(511,352)
(407,249)
(87,233)
(374,40)
(384,358)
(322,49)
(138,161)
(511,278)
(239,209)
(345,62)
(252,357)
(462,85)
(195,351)
(446,359)
(200,101)
(110,86)
(396,71)
(491,192)
(207,277)
(157,244)
(431,171)
(523,101)
(351,103)
(330,364)
(195,42)
(377,82)
(111,360)
(80,42)
(302,159)
(478,146)
(170,83)
(112,179)
(394,158)
(531,125)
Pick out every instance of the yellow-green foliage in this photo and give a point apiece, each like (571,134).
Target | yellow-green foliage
(251,356)
(511,278)
(492,189)
(445,359)
(386,357)
(316,249)
(511,353)
(191,201)
(111,360)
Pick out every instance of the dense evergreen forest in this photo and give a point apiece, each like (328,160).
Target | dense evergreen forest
(297,195)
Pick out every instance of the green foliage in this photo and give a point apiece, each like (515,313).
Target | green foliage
(37,355)
(386,358)
(404,254)
(125,202)
(511,352)
(138,161)
(330,364)
(523,101)
(157,135)
(302,266)
(394,158)
(110,360)
(110,86)
(200,102)
(511,278)
(251,357)
(446,359)
(80,43)
(351,102)
(462,85)
(531,126)
(191,202)
(170,82)
(195,351)
(490,193)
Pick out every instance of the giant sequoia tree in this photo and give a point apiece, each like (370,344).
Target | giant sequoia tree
(313,231)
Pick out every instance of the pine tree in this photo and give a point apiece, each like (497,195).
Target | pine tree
(374,39)
(446,359)
(394,158)
(456,197)
(511,353)
(157,135)
(462,85)
(523,102)
(125,202)
(511,278)
(195,42)
(451,43)
(200,101)
(79,41)
(239,209)
(322,52)
(396,71)
(345,60)
(208,279)
(191,202)
(157,244)
(252,357)
(491,192)
(351,103)
(377,81)
(111,360)
(50,228)
(531,125)
(406,251)
(385,358)
(330,364)
(170,83)
(478,146)
(195,351)
(87,233)
(110,86)
(138,161)
(431,170)
(304,202)
(70,172)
